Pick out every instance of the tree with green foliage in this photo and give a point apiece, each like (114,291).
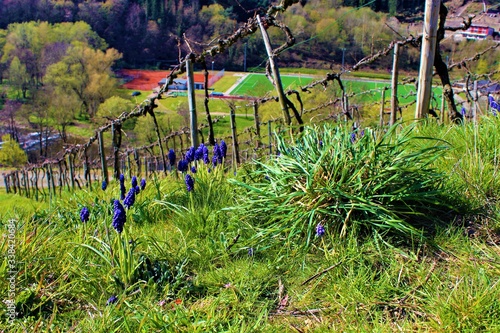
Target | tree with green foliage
(85,73)
(11,153)
(112,108)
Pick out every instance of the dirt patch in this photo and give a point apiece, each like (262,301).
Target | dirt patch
(142,79)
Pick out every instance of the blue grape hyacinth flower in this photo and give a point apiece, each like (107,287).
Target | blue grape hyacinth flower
(320,230)
(122,187)
(182,166)
(84,214)
(119,216)
(112,300)
(130,198)
(206,158)
(193,169)
(189,183)
(190,154)
(134,181)
(198,154)
(104,185)
(171,157)
(143,184)
(223,149)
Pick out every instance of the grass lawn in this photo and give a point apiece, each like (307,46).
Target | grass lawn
(259,85)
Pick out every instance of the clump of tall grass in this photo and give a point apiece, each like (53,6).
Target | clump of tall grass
(340,180)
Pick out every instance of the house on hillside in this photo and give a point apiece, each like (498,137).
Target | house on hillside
(475,32)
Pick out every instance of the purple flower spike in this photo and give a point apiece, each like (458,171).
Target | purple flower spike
(198,154)
(104,185)
(134,181)
(193,169)
(182,166)
(171,157)
(84,214)
(189,183)
(119,216)
(320,230)
(190,155)
(130,199)
(112,300)
(143,184)
(223,149)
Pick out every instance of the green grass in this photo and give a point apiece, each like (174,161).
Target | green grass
(182,263)
(259,85)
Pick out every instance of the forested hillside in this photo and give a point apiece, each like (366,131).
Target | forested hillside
(146,32)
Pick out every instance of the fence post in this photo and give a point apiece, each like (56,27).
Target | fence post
(382,106)
(116,138)
(276,73)
(71,171)
(104,165)
(6,182)
(474,103)
(236,154)
(192,103)
(45,174)
(269,133)
(427,55)
(137,162)
(257,123)
(394,83)
(51,173)
(442,120)
(35,182)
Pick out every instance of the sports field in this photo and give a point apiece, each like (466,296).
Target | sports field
(258,84)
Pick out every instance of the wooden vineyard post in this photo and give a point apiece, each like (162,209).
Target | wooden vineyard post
(394,83)
(192,104)
(236,154)
(104,166)
(137,162)
(269,133)
(52,182)
(474,103)
(48,176)
(116,139)
(6,183)
(442,120)
(86,170)
(345,105)
(71,171)
(276,73)
(427,55)
(382,106)
(257,123)
(129,166)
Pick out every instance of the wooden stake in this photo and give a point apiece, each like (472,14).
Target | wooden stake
(270,134)
(104,166)
(382,106)
(192,104)
(257,123)
(236,153)
(427,55)
(276,73)
(394,83)
(71,171)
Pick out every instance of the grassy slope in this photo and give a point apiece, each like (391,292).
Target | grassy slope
(354,284)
